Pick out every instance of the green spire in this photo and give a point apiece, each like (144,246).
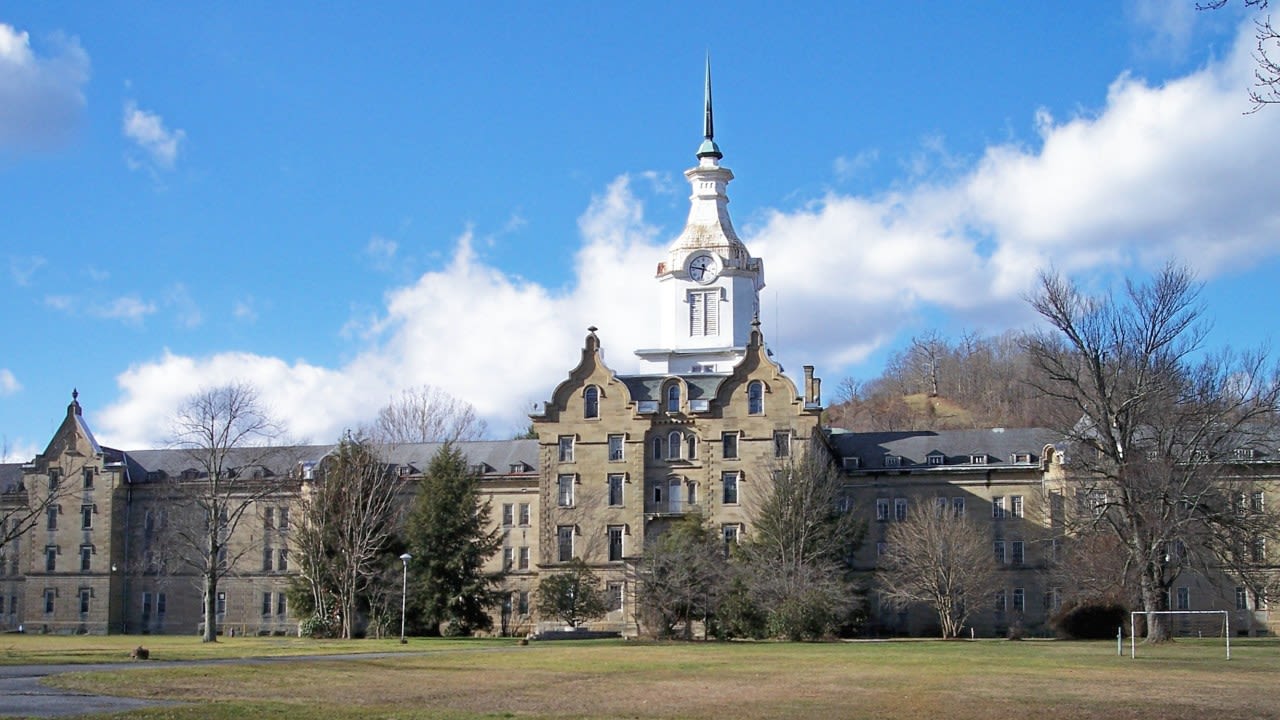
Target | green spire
(708,148)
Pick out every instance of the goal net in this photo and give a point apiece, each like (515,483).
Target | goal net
(1185,623)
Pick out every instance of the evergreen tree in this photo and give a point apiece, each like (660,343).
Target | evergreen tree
(446,534)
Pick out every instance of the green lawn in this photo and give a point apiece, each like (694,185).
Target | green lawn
(958,680)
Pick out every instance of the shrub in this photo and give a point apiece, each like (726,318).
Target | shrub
(1089,621)
(315,626)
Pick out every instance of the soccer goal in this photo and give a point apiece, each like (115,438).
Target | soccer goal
(1196,621)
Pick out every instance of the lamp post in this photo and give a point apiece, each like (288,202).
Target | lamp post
(404,592)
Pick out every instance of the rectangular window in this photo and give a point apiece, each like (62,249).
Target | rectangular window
(508,514)
(1257,501)
(283,515)
(86,557)
(704,313)
(1242,598)
(282,604)
(730,534)
(564,543)
(900,509)
(51,559)
(160,604)
(55,478)
(49,595)
(1001,602)
(1052,599)
(282,559)
(85,594)
(1184,598)
(881,548)
(522,602)
(88,478)
(729,445)
(882,509)
(729,485)
(86,517)
(1019,600)
(1259,549)
(266,603)
(146,606)
(998,545)
(266,559)
(566,448)
(524,514)
(221,605)
(615,448)
(782,444)
(997,508)
(613,591)
(615,543)
(268,518)
(564,494)
(508,558)
(523,558)
(51,514)
(1015,505)
(957,507)
(1019,552)
(615,489)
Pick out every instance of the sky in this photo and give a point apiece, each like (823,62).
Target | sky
(337,201)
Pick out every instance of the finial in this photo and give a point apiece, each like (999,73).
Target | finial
(708,147)
(74,407)
(75,394)
(592,328)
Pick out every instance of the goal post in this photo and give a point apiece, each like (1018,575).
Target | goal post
(1133,625)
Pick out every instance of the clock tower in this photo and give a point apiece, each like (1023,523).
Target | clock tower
(709,284)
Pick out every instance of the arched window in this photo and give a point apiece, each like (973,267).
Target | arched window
(673,398)
(657,448)
(755,398)
(692,441)
(673,445)
(591,402)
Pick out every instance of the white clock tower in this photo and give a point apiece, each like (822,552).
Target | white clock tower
(709,283)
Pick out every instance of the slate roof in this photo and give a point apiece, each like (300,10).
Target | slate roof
(649,387)
(914,447)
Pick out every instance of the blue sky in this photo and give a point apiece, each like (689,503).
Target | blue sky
(338,201)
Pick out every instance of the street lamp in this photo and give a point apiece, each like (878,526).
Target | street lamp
(404,592)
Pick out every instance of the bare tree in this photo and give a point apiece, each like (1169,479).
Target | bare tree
(350,516)
(1266,74)
(1153,421)
(941,559)
(426,414)
(226,434)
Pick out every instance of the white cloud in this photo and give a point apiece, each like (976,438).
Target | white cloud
(20,451)
(186,311)
(41,98)
(8,383)
(158,144)
(22,269)
(1159,171)
(128,309)
(381,251)
(244,309)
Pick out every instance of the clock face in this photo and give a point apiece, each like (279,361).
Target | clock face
(703,268)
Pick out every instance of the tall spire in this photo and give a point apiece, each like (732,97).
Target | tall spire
(708,147)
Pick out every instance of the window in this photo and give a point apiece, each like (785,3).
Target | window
(221,604)
(268,518)
(942,505)
(999,552)
(957,507)
(978,459)
(1242,598)
(284,519)
(673,398)
(615,543)
(1184,598)
(1257,501)
(85,594)
(160,604)
(146,606)
(88,478)
(564,543)
(86,517)
(55,478)
(615,448)
(881,549)
(615,489)
(523,558)
(566,448)
(266,559)
(1019,552)
(1259,550)
(522,602)
(729,486)
(508,514)
(591,402)
(704,313)
(892,461)
(730,533)
(613,593)
(49,595)
(1001,602)
(51,514)
(1019,600)
(882,509)
(900,509)
(51,559)
(936,458)
(729,445)
(564,496)
(86,557)
(692,450)
(508,558)
(282,604)
(282,559)
(673,445)
(524,514)
(657,448)
(997,507)
(1053,599)
(755,398)
(266,603)
(782,443)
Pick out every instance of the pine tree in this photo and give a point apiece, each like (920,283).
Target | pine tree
(447,538)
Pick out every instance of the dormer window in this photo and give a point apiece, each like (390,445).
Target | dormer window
(591,402)
(852,463)
(936,458)
(1022,458)
(1244,453)
(673,398)
(755,398)
(978,459)
(892,461)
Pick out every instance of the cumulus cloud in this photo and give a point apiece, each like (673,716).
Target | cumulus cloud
(41,97)
(19,451)
(156,146)
(1174,170)
(8,383)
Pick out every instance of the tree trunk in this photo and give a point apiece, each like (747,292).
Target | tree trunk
(210,607)
(1157,626)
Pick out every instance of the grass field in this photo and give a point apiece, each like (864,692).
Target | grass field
(885,680)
